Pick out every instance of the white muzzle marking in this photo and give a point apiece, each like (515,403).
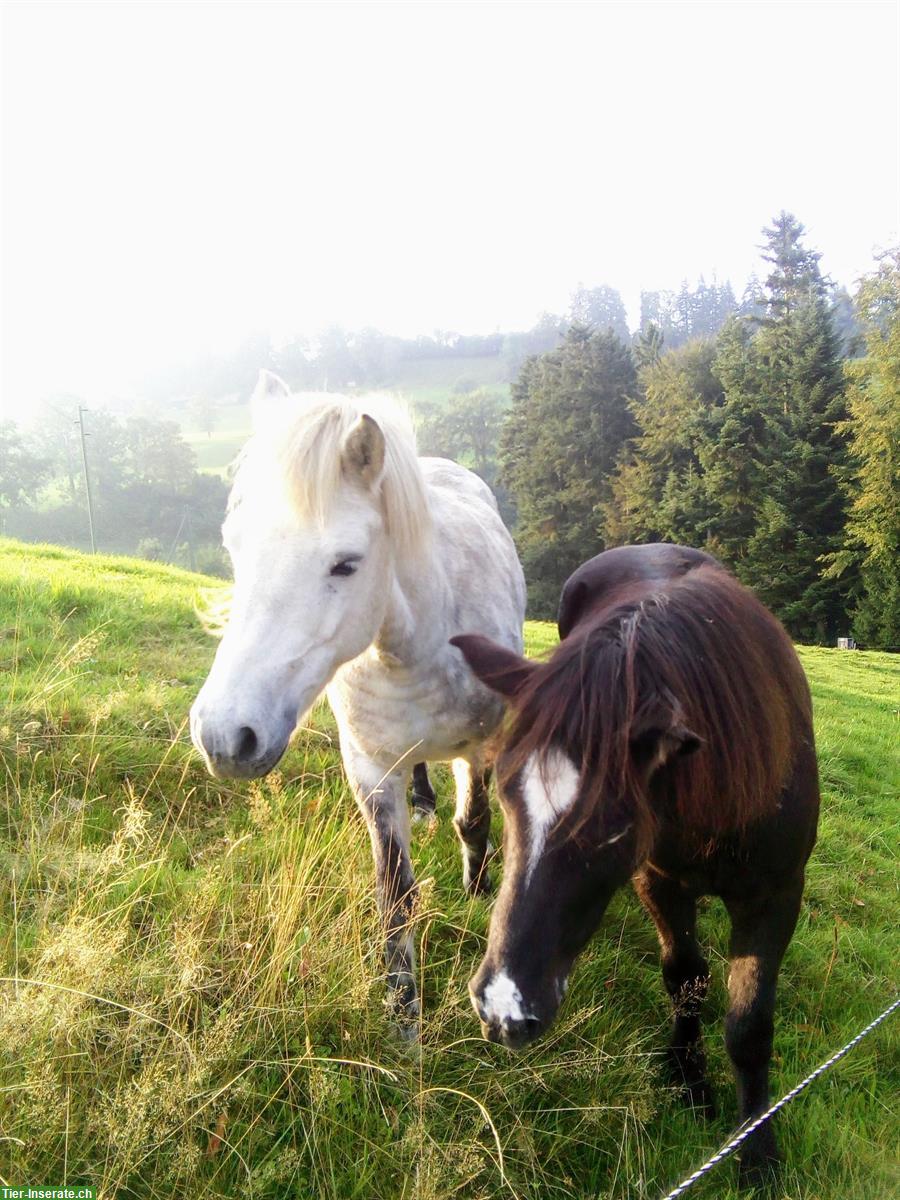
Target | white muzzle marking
(502,1000)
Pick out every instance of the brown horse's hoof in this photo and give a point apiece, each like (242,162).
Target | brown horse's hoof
(686,1074)
(760,1175)
(700,1098)
(759,1169)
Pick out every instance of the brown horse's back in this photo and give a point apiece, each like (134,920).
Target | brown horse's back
(606,573)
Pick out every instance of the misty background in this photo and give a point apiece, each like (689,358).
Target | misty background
(180,178)
(428,198)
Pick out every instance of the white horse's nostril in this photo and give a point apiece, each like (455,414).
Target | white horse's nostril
(247,744)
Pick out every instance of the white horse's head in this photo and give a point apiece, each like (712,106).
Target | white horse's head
(328,495)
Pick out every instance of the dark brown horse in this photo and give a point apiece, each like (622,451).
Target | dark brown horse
(668,740)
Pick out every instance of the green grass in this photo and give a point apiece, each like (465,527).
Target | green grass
(206,1019)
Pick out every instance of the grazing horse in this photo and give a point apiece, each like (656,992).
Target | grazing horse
(668,740)
(354,563)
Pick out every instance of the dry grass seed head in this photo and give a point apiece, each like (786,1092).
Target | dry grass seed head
(132,834)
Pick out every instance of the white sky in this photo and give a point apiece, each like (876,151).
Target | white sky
(177,176)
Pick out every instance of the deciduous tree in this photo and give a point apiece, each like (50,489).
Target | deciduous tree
(872,482)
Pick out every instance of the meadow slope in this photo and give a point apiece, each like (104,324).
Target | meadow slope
(190,1003)
(424,384)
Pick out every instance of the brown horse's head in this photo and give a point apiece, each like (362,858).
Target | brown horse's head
(565,853)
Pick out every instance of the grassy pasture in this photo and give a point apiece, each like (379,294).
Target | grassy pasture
(206,1015)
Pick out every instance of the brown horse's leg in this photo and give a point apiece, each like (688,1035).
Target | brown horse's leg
(760,933)
(473,823)
(686,976)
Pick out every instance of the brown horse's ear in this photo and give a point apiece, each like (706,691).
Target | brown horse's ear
(502,670)
(570,607)
(659,735)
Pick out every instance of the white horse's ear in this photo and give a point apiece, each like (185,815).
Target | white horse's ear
(270,392)
(362,454)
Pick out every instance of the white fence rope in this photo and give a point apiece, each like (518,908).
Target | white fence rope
(730,1147)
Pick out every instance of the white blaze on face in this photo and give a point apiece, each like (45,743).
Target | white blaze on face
(502,1000)
(549,790)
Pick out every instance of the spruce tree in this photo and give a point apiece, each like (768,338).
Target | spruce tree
(685,315)
(772,472)
(648,346)
(602,309)
(566,427)
(745,438)
(658,493)
(800,352)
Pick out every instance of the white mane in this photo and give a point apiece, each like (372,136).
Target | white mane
(298,444)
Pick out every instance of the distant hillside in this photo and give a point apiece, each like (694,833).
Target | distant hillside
(427,384)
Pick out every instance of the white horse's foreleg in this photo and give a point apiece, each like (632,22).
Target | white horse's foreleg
(473,823)
(382,801)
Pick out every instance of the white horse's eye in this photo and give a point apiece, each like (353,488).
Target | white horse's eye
(347,566)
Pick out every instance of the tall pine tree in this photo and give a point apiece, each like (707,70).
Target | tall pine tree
(565,430)
(602,309)
(687,314)
(772,474)
(745,439)
(801,354)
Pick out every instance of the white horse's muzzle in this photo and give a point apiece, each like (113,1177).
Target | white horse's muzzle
(235,748)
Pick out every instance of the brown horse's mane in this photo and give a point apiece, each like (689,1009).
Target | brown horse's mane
(698,652)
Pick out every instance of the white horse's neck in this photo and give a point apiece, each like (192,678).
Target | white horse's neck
(418,609)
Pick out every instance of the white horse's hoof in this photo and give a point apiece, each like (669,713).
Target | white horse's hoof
(409,1034)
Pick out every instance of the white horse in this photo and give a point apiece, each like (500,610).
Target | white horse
(354,563)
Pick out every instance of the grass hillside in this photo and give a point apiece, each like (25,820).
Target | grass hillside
(425,384)
(190,1003)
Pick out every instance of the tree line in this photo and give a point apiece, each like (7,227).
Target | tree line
(337,358)
(764,429)
(148,496)
(761,441)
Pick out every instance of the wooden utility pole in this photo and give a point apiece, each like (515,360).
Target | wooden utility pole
(87,478)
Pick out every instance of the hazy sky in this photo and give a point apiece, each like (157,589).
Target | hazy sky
(177,176)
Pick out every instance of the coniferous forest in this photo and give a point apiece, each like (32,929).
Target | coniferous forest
(771,442)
